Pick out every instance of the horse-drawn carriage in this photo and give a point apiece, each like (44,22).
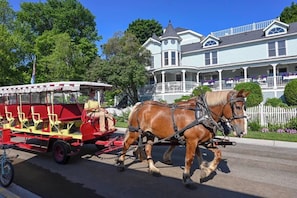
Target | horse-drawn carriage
(43,117)
(50,117)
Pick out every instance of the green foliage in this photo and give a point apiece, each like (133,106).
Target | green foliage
(61,34)
(123,117)
(274,127)
(255,97)
(290,92)
(200,90)
(144,29)
(275,102)
(196,92)
(289,14)
(292,124)
(183,98)
(254,126)
(124,66)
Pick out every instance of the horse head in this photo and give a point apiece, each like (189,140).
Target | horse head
(234,112)
(228,108)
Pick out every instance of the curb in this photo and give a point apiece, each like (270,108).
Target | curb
(260,142)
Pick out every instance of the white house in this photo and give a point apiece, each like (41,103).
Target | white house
(264,52)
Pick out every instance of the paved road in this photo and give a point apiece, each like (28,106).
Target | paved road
(245,171)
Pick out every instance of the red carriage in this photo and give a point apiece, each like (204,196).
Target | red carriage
(50,117)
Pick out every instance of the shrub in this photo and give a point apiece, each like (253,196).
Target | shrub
(275,102)
(183,98)
(255,97)
(290,92)
(254,126)
(275,127)
(292,124)
(200,90)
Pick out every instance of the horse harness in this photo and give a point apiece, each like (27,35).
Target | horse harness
(202,116)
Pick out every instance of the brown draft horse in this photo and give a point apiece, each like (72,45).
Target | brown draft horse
(193,122)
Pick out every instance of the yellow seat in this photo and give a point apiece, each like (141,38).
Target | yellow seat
(9,116)
(53,120)
(22,118)
(35,117)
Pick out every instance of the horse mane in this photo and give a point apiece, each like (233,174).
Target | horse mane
(217,97)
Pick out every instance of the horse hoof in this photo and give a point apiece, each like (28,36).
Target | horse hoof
(187,181)
(120,166)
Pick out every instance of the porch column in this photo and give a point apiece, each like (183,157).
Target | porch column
(220,79)
(163,81)
(184,80)
(245,73)
(197,78)
(274,76)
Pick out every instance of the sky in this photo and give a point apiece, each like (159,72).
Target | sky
(200,16)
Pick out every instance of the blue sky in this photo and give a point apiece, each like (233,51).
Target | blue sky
(203,17)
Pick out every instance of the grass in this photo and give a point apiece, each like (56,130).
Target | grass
(272,136)
(251,134)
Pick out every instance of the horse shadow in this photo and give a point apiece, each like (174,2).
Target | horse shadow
(178,160)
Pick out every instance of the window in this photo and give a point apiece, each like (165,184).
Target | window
(281,48)
(173,58)
(152,62)
(276,30)
(207,58)
(210,43)
(214,58)
(211,58)
(166,58)
(277,48)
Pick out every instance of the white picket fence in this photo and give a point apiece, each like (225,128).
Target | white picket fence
(272,115)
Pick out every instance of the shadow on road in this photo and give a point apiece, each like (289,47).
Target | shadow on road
(86,177)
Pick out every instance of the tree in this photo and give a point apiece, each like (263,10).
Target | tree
(144,29)
(290,92)
(7,14)
(255,97)
(289,14)
(124,67)
(58,58)
(62,34)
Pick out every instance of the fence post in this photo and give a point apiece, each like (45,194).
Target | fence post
(261,114)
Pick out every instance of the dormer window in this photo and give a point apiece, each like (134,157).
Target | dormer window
(210,43)
(276,30)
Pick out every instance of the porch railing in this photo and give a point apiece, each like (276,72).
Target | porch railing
(178,87)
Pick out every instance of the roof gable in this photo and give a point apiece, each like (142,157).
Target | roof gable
(276,28)
(210,41)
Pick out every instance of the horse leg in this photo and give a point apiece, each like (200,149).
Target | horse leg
(191,149)
(130,138)
(151,166)
(208,168)
(167,155)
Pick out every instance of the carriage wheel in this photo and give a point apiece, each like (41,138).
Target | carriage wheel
(60,152)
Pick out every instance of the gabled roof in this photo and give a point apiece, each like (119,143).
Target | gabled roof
(278,23)
(170,32)
(210,37)
(237,38)
(153,39)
